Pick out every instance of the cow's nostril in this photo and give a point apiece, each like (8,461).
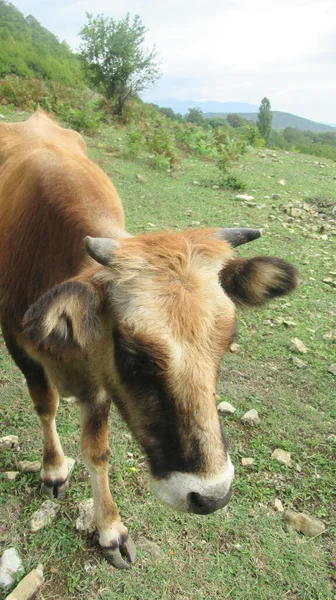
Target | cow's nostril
(201,505)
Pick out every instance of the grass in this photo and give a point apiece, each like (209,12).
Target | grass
(244,553)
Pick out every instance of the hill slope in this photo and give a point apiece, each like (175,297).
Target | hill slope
(281,120)
(28,49)
(182,106)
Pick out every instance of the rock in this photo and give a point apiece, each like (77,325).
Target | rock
(247,462)
(28,586)
(298,346)
(300,364)
(276,196)
(71,463)
(251,418)
(282,181)
(244,197)
(332,369)
(10,475)
(226,408)
(235,347)
(28,466)
(86,519)
(10,442)
(215,187)
(44,515)
(282,456)
(278,506)
(10,566)
(150,549)
(303,523)
(140,179)
(2,116)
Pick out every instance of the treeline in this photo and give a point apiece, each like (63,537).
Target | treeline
(29,50)
(321,144)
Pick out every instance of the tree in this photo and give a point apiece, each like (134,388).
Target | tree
(115,58)
(195,115)
(264,121)
(235,120)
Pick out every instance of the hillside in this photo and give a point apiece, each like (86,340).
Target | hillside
(182,106)
(28,49)
(281,120)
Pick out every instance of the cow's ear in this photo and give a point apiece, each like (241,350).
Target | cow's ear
(253,281)
(66,317)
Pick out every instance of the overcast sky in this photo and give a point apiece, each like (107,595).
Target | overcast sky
(225,50)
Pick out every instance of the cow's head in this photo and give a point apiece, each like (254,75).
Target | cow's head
(163,306)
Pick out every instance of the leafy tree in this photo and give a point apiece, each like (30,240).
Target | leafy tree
(235,120)
(195,115)
(264,121)
(115,59)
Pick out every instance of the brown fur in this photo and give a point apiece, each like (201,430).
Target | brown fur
(148,329)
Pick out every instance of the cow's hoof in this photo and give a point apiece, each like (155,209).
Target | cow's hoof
(115,555)
(56,490)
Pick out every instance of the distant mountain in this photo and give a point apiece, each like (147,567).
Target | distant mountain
(182,106)
(280,120)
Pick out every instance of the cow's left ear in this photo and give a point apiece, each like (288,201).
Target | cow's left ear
(66,317)
(253,281)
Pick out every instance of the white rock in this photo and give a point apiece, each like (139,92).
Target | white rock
(303,523)
(332,369)
(282,181)
(244,197)
(140,179)
(300,364)
(28,466)
(298,346)
(251,418)
(215,187)
(226,408)
(28,586)
(10,475)
(278,505)
(282,456)
(247,462)
(235,347)
(86,519)
(70,464)
(44,515)
(9,442)
(10,565)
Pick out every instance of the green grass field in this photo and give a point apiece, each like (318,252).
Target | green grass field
(244,553)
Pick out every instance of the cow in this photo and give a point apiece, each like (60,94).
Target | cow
(90,311)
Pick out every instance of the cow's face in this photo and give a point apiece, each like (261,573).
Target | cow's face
(169,316)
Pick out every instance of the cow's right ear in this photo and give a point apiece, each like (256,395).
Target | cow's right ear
(66,317)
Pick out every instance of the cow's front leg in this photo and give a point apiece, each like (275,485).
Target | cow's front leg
(113,535)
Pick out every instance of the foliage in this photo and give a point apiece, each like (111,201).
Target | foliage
(29,50)
(235,120)
(195,115)
(80,108)
(114,57)
(264,121)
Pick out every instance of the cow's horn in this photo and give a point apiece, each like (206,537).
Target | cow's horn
(101,249)
(239,236)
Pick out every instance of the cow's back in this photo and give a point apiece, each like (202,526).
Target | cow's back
(51,197)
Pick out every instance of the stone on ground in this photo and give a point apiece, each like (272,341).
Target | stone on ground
(9,442)
(278,505)
(44,516)
(298,346)
(244,197)
(226,408)
(10,475)
(247,462)
(332,369)
(140,179)
(28,586)
(150,549)
(282,456)
(28,466)
(303,523)
(251,418)
(300,364)
(235,347)
(10,566)
(86,518)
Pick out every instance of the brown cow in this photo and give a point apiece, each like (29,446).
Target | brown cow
(141,321)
